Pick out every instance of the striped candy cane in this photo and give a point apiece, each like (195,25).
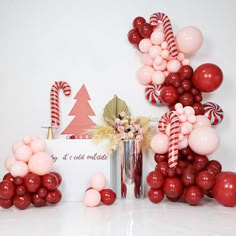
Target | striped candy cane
(55,114)
(172,119)
(169,36)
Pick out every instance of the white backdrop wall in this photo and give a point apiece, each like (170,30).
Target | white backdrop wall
(85,42)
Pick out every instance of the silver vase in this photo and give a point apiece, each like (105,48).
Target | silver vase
(131,162)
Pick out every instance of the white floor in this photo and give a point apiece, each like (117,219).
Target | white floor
(123,218)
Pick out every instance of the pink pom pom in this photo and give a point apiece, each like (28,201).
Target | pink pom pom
(92,198)
(98,181)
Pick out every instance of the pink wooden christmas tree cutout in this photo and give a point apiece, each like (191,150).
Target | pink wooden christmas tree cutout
(81,122)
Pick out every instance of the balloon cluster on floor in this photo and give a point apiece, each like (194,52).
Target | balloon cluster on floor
(185,135)
(30,178)
(97,192)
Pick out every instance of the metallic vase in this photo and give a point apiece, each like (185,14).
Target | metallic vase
(131,169)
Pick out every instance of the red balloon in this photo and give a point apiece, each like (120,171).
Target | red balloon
(198,108)
(18,180)
(169,95)
(22,202)
(224,190)
(216,164)
(193,195)
(9,177)
(42,192)
(200,162)
(160,157)
(108,196)
(185,72)
(32,182)
(155,195)
(173,187)
(7,189)
(6,203)
(155,179)
(145,30)
(186,99)
(134,36)
(162,167)
(53,197)
(20,190)
(59,178)
(49,181)
(188,176)
(207,77)
(138,21)
(37,201)
(205,180)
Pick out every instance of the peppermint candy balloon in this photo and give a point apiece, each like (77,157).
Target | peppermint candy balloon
(213,112)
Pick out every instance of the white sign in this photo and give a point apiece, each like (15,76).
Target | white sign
(76,161)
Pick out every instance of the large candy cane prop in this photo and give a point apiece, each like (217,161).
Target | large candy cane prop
(55,114)
(172,119)
(169,36)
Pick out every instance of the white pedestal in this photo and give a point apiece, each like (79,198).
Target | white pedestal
(76,161)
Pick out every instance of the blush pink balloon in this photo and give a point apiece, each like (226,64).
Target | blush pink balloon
(186,128)
(19,168)
(146,59)
(173,65)
(98,181)
(38,145)
(144,74)
(155,51)
(160,143)
(145,45)
(40,163)
(183,143)
(16,145)
(23,153)
(27,140)
(157,37)
(9,162)
(189,40)
(161,67)
(203,140)
(201,121)
(158,77)
(92,198)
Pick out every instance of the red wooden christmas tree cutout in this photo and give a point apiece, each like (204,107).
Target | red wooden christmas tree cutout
(81,122)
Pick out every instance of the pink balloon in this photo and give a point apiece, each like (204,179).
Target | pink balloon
(180,56)
(16,145)
(203,140)
(201,121)
(183,143)
(145,45)
(186,127)
(19,168)
(164,45)
(182,117)
(146,59)
(158,77)
(188,110)
(38,145)
(173,65)
(27,140)
(155,51)
(98,181)
(158,61)
(189,40)
(23,153)
(144,74)
(185,62)
(165,54)
(157,37)
(92,198)
(160,143)
(40,163)
(161,67)
(9,162)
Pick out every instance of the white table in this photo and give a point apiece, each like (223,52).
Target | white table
(123,218)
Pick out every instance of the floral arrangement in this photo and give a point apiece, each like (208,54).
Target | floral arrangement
(120,125)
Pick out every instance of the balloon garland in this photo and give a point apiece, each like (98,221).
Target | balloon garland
(185,135)
(30,178)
